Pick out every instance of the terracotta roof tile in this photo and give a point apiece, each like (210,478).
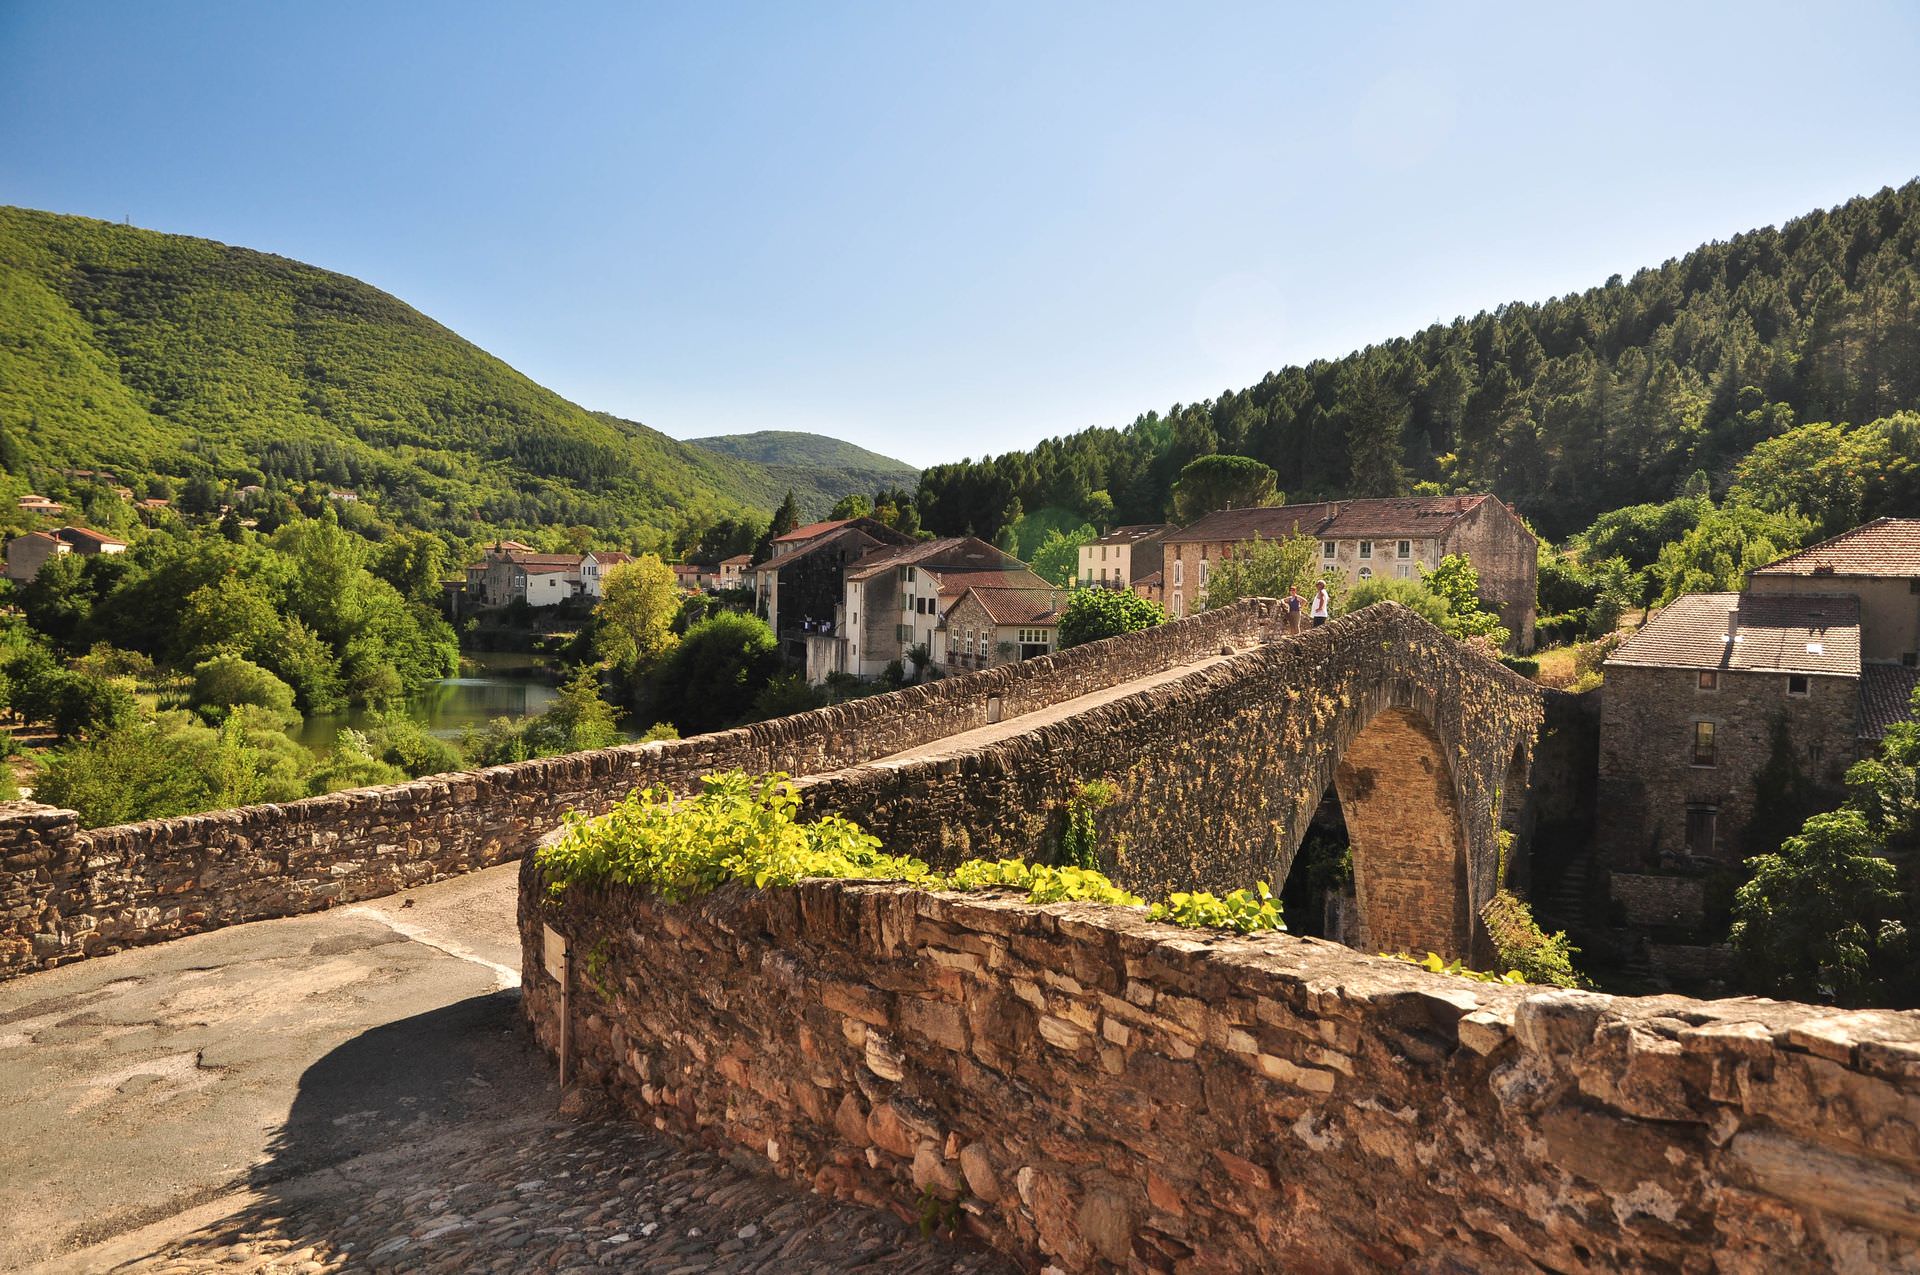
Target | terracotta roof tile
(1038,607)
(1883,547)
(1886,697)
(1775,632)
(1373,518)
(811,530)
(1231,526)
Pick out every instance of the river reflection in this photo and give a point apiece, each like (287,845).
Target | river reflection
(492,684)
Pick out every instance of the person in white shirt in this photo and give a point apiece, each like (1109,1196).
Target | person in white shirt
(1319,612)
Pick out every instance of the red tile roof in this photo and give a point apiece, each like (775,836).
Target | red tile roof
(811,530)
(1886,697)
(1883,547)
(739,559)
(88,536)
(1037,607)
(611,557)
(1775,632)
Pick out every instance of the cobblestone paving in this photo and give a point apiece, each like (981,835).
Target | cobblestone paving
(554,1195)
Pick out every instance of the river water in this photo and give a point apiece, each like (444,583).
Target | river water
(491,684)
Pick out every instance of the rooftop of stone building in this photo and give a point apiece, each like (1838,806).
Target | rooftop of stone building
(1778,633)
(1886,697)
(1134,533)
(1883,547)
(1373,518)
(1019,606)
(959,550)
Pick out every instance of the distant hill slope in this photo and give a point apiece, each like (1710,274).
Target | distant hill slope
(162,354)
(818,469)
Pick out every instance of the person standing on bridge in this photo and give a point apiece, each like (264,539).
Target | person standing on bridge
(1294,601)
(1319,604)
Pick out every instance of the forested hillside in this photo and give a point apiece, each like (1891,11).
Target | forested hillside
(818,470)
(1614,396)
(162,355)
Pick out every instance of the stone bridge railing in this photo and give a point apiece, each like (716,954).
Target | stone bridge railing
(1076,1085)
(67,893)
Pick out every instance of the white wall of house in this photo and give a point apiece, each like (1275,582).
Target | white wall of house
(548,588)
(1106,564)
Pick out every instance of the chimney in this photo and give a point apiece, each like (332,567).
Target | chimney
(1733,623)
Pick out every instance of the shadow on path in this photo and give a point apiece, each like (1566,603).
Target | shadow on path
(432,1144)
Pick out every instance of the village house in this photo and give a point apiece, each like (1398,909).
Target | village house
(511,571)
(988,626)
(1398,537)
(896,597)
(691,576)
(27,554)
(1806,669)
(798,591)
(1689,718)
(594,567)
(732,572)
(1878,565)
(1117,559)
(36,504)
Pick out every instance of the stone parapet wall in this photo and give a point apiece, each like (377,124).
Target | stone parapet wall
(67,893)
(1090,1089)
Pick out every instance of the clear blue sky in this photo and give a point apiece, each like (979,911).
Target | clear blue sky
(944,230)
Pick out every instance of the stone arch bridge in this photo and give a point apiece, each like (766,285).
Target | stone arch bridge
(1220,767)
(1219,734)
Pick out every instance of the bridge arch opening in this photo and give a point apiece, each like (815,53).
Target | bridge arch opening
(1392,813)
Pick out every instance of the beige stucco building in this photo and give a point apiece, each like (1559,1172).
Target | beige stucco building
(1124,555)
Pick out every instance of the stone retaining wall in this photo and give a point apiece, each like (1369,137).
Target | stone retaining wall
(67,894)
(1079,1086)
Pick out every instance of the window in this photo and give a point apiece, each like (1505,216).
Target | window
(1366,573)
(1700,830)
(1703,744)
(1709,680)
(1405,550)
(1797,684)
(1327,548)
(1203,573)
(1403,571)
(1913,585)
(1815,752)
(1036,637)
(1366,548)
(1179,607)
(1910,658)
(1103,553)
(1177,571)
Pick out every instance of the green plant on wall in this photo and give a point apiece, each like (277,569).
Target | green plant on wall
(1522,945)
(1247,911)
(1079,844)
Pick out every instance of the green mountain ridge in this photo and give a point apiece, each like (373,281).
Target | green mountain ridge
(817,468)
(168,355)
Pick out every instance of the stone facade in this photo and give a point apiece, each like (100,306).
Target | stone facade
(1369,539)
(1648,782)
(1078,1086)
(1219,773)
(66,894)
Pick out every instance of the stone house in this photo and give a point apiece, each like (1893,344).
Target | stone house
(989,626)
(1878,565)
(27,554)
(1398,537)
(799,590)
(1688,721)
(511,571)
(1124,554)
(896,597)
